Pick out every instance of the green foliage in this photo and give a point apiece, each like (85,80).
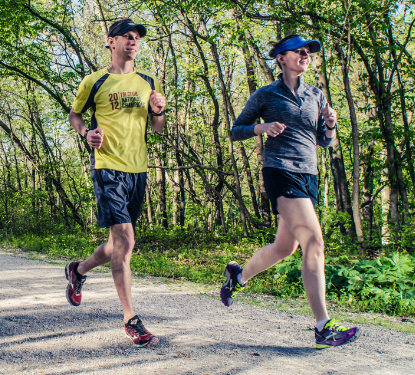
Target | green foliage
(46,48)
(385,284)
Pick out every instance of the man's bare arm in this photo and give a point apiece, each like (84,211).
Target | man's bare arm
(77,122)
(157,122)
(158,103)
(94,137)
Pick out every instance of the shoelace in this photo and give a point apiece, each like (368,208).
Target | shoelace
(79,285)
(334,326)
(139,327)
(237,289)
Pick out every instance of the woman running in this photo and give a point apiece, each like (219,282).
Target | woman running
(296,118)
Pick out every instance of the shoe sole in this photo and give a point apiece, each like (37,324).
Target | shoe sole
(352,339)
(67,288)
(67,272)
(229,300)
(152,342)
(67,297)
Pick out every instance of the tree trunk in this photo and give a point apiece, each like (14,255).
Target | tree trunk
(355,135)
(408,132)
(245,39)
(367,204)
(384,105)
(250,180)
(228,128)
(102,20)
(179,193)
(254,49)
(150,213)
(341,188)
(6,182)
(176,198)
(161,184)
(215,122)
(325,178)
(386,210)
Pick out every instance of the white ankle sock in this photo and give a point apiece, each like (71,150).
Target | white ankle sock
(239,278)
(321,323)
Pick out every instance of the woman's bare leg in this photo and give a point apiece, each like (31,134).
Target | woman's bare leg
(301,219)
(283,246)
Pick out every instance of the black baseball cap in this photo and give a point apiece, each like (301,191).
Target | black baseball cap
(122,26)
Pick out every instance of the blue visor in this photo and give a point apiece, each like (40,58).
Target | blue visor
(296,43)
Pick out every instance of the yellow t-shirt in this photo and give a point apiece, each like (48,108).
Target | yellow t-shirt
(120,105)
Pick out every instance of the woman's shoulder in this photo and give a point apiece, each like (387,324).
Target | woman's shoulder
(314,90)
(269,88)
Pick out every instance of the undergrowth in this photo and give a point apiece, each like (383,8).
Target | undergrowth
(385,285)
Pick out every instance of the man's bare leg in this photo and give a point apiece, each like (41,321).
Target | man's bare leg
(101,255)
(118,251)
(122,236)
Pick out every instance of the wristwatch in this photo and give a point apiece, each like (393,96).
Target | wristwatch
(159,114)
(86,132)
(334,127)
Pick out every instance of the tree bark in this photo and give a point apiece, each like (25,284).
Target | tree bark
(102,20)
(408,132)
(367,204)
(355,135)
(46,174)
(215,122)
(246,43)
(325,178)
(161,184)
(341,188)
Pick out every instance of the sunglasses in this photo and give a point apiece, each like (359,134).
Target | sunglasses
(301,52)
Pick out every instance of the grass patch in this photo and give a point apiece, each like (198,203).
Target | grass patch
(200,257)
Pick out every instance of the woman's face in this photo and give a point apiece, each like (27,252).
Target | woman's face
(296,61)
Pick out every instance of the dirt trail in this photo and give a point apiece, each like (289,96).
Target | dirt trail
(41,334)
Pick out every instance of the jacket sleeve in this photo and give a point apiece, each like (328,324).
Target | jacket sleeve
(244,125)
(322,140)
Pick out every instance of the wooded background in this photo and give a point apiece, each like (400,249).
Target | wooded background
(210,56)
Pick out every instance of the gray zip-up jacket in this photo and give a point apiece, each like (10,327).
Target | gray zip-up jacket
(294,149)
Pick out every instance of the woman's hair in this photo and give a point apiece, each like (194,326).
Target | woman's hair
(277,44)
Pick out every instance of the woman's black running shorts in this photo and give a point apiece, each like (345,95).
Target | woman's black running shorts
(279,182)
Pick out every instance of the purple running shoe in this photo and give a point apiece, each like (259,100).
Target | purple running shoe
(231,286)
(333,334)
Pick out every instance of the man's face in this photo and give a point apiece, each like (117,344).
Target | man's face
(125,46)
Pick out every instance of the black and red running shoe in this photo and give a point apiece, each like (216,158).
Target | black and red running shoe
(138,334)
(73,291)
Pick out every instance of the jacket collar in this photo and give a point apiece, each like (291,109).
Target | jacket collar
(301,86)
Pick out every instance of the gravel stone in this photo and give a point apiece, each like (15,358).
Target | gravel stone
(40,333)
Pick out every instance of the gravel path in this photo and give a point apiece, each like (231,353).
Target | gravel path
(41,334)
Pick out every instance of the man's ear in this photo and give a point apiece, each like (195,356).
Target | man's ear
(110,42)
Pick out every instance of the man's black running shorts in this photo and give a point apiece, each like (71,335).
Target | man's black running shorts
(119,196)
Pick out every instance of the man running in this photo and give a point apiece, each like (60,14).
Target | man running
(121,98)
